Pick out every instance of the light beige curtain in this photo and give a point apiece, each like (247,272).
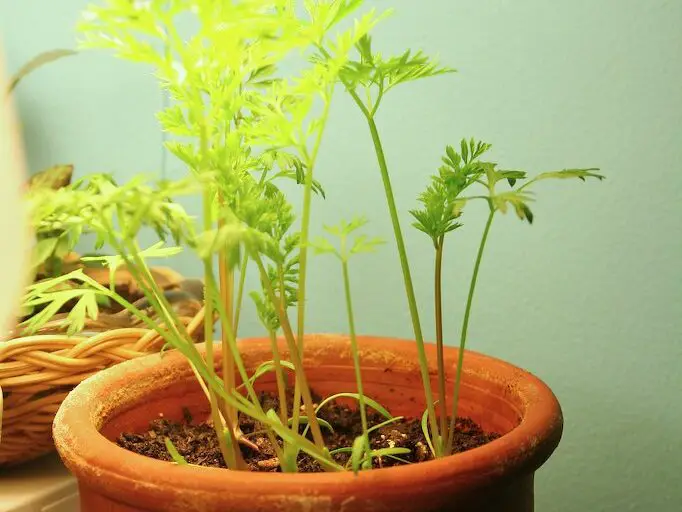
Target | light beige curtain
(15,238)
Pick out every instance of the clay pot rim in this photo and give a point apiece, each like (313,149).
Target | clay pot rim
(91,455)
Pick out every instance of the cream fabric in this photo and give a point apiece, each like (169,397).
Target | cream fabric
(15,238)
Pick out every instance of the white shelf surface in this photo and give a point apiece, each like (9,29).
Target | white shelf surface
(42,485)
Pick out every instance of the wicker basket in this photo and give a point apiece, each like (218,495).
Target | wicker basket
(37,372)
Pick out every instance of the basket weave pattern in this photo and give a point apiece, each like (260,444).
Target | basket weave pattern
(38,371)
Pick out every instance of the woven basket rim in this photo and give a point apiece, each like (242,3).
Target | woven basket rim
(36,370)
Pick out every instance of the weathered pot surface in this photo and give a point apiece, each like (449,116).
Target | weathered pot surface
(495,477)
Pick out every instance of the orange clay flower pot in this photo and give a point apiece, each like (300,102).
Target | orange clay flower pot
(496,477)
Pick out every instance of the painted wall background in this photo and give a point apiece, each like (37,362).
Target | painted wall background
(589,297)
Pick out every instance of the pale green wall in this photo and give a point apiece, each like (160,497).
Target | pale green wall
(589,298)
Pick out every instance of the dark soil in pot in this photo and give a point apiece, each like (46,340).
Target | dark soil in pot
(198,444)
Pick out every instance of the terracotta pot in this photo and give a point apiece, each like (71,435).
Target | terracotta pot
(496,477)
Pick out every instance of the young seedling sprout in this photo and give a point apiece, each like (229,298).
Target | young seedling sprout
(361,454)
(371,77)
(443,204)
(437,218)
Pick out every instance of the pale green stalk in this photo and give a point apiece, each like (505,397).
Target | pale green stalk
(240,292)
(152,291)
(231,345)
(279,374)
(228,449)
(296,358)
(355,352)
(208,277)
(140,272)
(303,258)
(210,292)
(409,288)
(229,381)
(442,405)
(246,407)
(163,306)
(150,295)
(465,328)
(289,437)
(249,409)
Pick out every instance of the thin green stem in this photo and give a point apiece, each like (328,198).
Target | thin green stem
(465,328)
(230,450)
(249,409)
(142,275)
(149,287)
(227,449)
(158,301)
(131,308)
(208,199)
(156,296)
(231,345)
(226,294)
(281,386)
(409,288)
(439,339)
(208,278)
(210,291)
(356,354)
(303,251)
(305,226)
(296,358)
(281,383)
(240,292)
(380,96)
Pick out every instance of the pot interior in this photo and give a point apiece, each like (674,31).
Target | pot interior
(392,380)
